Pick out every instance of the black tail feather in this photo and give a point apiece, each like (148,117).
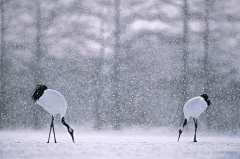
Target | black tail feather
(39,90)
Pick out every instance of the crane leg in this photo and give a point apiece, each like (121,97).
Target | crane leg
(195,123)
(50,129)
(54,131)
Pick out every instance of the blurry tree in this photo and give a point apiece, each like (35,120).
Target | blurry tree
(116,70)
(38,70)
(206,59)
(185,50)
(184,84)
(98,75)
(206,47)
(2,64)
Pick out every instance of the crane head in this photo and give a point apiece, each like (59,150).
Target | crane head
(180,132)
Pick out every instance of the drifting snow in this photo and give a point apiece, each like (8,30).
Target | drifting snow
(115,145)
(151,25)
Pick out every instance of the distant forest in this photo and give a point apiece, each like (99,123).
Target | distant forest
(121,62)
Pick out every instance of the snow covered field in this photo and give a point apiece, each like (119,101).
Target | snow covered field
(115,145)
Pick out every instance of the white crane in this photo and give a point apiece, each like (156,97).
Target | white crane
(193,108)
(54,103)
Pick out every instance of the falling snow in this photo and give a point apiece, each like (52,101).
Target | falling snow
(120,64)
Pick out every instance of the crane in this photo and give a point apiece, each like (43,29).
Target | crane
(194,108)
(54,103)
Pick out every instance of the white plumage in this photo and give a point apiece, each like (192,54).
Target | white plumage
(194,107)
(53,102)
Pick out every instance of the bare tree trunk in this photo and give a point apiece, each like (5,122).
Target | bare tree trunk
(98,83)
(179,115)
(206,58)
(2,66)
(116,67)
(185,50)
(206,49)
(38,73)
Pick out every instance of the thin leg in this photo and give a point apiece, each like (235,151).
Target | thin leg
(195,123)
(54,132)
(51,125)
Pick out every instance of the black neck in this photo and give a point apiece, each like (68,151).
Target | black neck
(208,102)
(64,123)
(205,97)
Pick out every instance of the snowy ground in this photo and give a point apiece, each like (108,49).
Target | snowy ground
(105,145)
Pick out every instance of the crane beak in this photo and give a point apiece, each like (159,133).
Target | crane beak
(72,137)
(180,132)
